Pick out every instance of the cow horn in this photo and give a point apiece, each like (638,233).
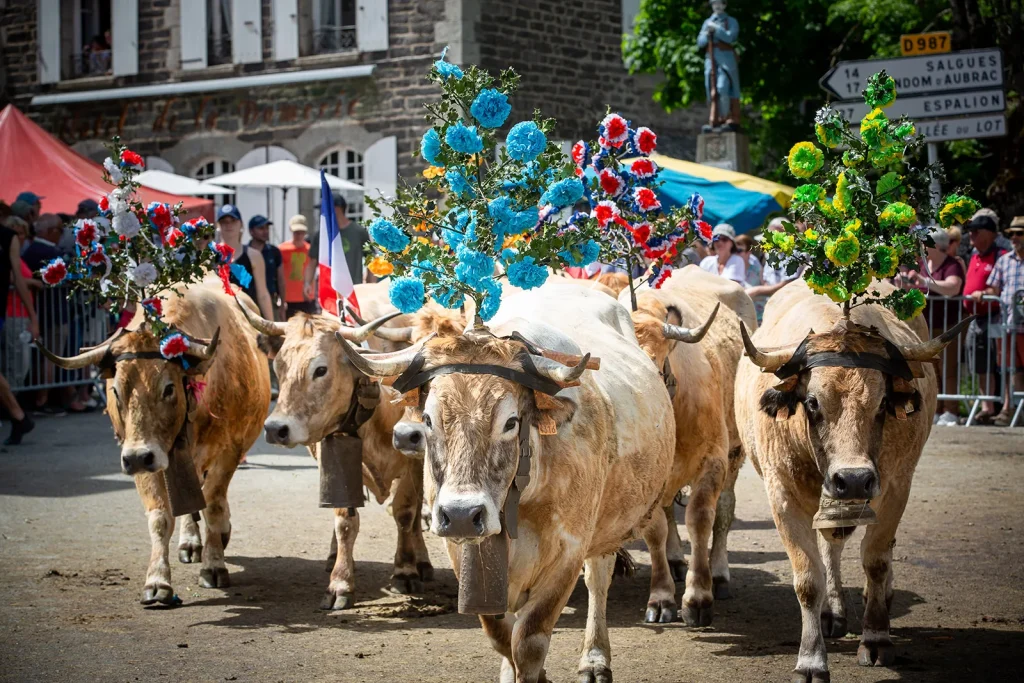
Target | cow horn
(394,334)
(352,313)
(933,347)
(381,364)
(769,361)
(82,360)
(689,335)
(205,351)
(558,372)
(360,334)
(261,324)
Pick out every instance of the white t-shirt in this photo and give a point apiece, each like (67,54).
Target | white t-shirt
(734,269)
(773,276)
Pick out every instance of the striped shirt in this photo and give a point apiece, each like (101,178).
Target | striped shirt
(1008,278)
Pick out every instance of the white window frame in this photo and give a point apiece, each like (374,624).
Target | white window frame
(200,173)
(349,165)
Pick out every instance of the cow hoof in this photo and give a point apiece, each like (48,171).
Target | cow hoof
(190,553)
(697,616)
(406,584)
(157,593)
(595,674)
(810,676)
(214,578)
(833,626)
(720,588)
(678,570)
(336,602)
(661,612)
(331,559)
(881,653)
(425,570)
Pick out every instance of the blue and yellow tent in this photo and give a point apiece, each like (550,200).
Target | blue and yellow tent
(744,201)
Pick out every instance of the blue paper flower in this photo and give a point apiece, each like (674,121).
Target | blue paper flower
(473,267)
(525,141)
(464,230)
(384,233)
(430,146)
(526,274)
(449,297)
(458,183)
(447,69)
(508,255)
(588,253)
(563,193)
(406,294)
(490,108)
(492,299)
(464,139)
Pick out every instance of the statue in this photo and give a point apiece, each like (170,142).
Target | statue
(721,72)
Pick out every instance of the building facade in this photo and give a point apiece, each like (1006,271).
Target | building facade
(204,87)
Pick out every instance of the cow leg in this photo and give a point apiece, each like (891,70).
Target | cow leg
(674,546)
(725,515)
(190,543)
(833,613)
(217,516)
(341,589)
(412,564)
(876,646)
(661,605)
(531,634)
(499,631)
(698,599)
(332,554)
(153,492)
(596,658)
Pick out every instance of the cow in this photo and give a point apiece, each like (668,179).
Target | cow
(148,403)
(597,476)
(317,389)
(833,425)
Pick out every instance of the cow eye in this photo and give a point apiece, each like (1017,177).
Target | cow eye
(426,421)
(168,391)
(812,405)
(511,423)
(320,372)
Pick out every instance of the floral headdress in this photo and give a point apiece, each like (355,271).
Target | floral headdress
(130,252)
(511,211)
(635,230)
(880,199)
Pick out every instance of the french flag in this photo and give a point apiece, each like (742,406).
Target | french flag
(335,280)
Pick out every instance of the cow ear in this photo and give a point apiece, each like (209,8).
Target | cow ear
(270,346)
(551,412)
(778,404)
(200,368)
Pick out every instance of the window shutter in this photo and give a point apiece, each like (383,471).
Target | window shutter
(246,32)
(630,8)
(193,34)
(372,25)
(286,29)
(124,33)
(49,41)
(380,168)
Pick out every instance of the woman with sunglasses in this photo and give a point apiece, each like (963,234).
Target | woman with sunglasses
(725,260)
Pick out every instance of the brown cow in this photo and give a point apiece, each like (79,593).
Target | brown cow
(828,433)
(147,404)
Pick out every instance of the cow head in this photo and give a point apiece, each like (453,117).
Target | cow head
(472,424)
(658,328)
(844,408)
(147,396)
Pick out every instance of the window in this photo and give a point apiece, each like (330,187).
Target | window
(85,38)
(347,165)
(334,26)
(218,32)
(212,169)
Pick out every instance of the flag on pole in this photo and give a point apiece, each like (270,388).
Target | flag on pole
(335,280)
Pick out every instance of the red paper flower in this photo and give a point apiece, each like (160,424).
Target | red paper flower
(645,140)
(604,212)
(172,236)
(85,235)
(704,229)
(98,257)
(643,168)
(611,183)
(104,203)
(614,130)
(641,232)
(174,346)
(224,252)
(130,158)
(155,305)
(645,199)
(579,153)
(160,214)
(54,272)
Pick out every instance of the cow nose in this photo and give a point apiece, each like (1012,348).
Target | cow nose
(277,433)
(138,461)
(459,521)
(854,483)
(408,438)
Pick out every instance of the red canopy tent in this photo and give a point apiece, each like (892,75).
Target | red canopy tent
(33,160)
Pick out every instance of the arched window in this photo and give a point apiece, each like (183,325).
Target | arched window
(212,169)
(347,165)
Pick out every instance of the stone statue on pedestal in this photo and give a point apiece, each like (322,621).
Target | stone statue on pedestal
(721,72)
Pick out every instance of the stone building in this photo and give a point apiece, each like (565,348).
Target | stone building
(203,87)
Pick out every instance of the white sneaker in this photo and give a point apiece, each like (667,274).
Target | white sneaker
(948,419)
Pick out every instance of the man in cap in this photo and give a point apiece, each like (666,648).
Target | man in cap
(35,203)
(248,269)
(294,257)
(259,229)
(353,238)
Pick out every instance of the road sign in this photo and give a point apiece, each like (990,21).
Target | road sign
(963,129)
(930,106)
(966,70)
(937,42)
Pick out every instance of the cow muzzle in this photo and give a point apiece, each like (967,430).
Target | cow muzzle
(853,483)
(410,439)
(465,517)
(144,458)
(282,431)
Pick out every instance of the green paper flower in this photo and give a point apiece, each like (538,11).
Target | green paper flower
(853,226)
(782,241)
(843,250)
(957,209)
(805,159)
(808,194)
(897,215)
(841,200)
(873,128)
(861,284)
(885,261)
(820,283)
(906,129)
(829,127)
(829,211)
(811,235)
(909,304)
(852,159)
(838,293)
(888,153)
(881,91)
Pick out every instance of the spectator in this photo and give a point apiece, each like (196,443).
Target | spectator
(353,238)
(12,270)
(97,56)
(294,256)
(24,211)
(1006,280)
(955,238)
(35,203)
(259,229)
(745,247)
(695,253)
(247,263)
(725,261)
(5,211)
(982,231)
(772,278)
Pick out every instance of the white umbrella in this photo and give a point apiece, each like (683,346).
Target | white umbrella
(284,175)
(179,184)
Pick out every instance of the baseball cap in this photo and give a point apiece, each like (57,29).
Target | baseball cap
(940,237)
(297,223)
(339,200)
(258,221)
(724,230)
(982,223)
(29,198)
(21,208)
(229,210)
(88,205)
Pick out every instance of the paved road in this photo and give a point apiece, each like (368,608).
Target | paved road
(74,547)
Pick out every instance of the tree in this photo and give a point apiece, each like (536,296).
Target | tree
(785,47)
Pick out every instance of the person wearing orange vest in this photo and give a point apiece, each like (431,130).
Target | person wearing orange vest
(295,255)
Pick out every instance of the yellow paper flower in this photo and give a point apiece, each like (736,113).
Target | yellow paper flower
(853,226)
(843,250)
(380,266)
(811,235)
(431,172)
(805,159)
(841,200)
(872,128)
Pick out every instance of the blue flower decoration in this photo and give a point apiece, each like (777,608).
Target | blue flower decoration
(406,294)
(474,267)
(464,139)
(491,108)
(465,229)
(588,253)
(563,193)
(430,146)
(508,221)
(458,183)
(526,274)
(449,297)
(492,299)
(447,69)
(525,141)
(384,233)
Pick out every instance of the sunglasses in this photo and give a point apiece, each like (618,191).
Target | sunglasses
(1019,232)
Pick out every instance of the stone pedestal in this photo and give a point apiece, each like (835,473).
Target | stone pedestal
(730,151)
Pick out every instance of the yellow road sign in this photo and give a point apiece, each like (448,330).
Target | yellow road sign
(935,43)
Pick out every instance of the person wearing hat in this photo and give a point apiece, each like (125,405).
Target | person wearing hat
(12,269)
(1006,281)
(725,260)
(35,204)
(259,229)
(248,270)
(295,256)
(353,238)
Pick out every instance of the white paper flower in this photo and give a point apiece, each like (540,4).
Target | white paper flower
(115,173)
(143,274)
(102,225)
(126,224)
(105,286)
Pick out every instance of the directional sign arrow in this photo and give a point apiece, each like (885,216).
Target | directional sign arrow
(930,106)
(966,70)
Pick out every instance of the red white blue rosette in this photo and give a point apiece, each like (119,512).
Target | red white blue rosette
(54,272)
(174,345)
(644,140)
(646,199)
(614,131)
(659,275)
(611,183)
(605,211)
